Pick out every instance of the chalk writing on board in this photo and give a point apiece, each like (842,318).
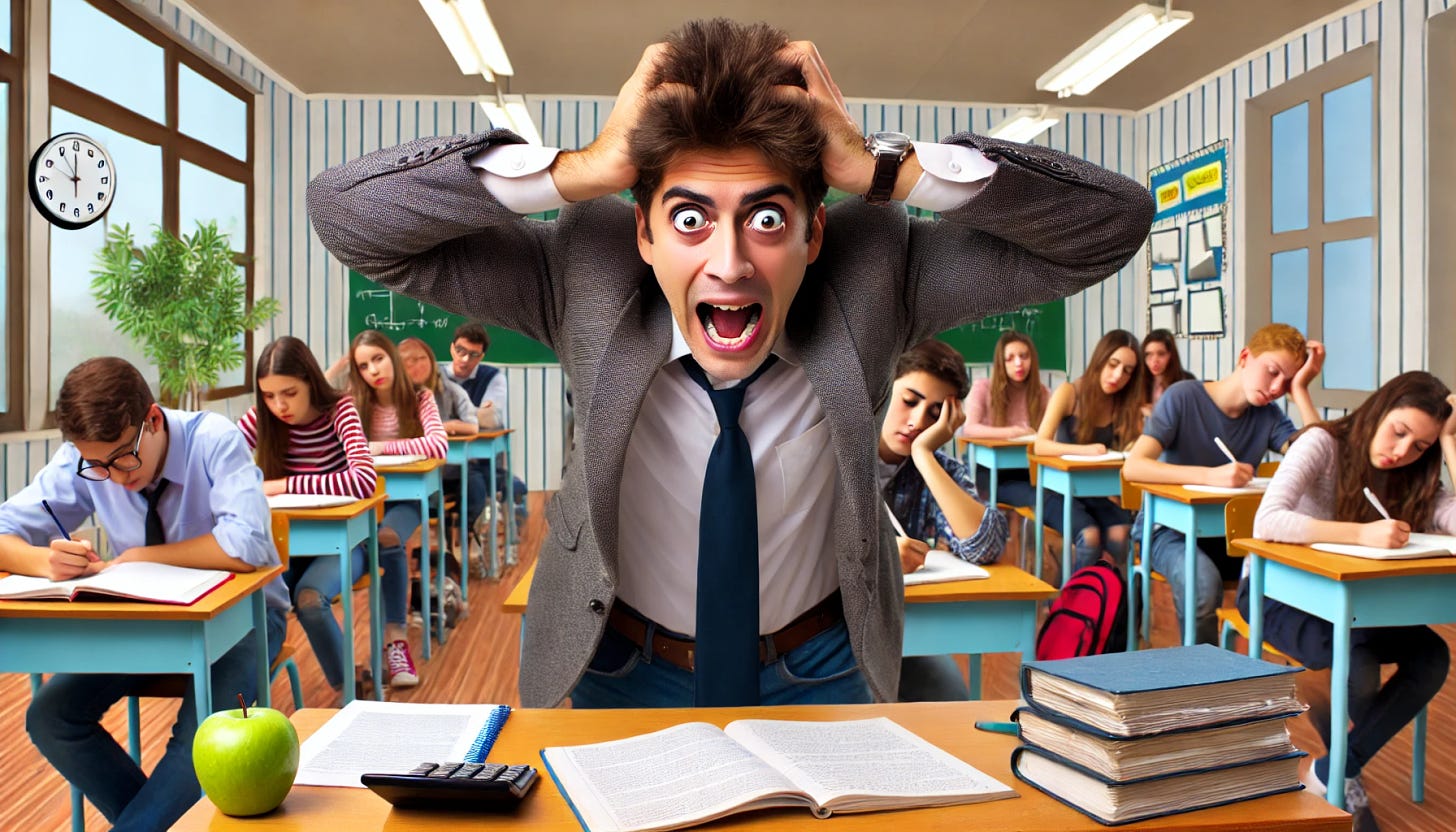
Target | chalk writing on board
(400,316)
(1022,320)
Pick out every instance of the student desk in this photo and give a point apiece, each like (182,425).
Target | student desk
(419,481)
(997,455)
(136,637)
(996,615)
(1347,592)
(946,724)
(1070,478)
(333,532)
(1194,513)
(486,445)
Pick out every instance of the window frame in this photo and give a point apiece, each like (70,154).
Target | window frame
(12,72)
(176,147)
(1262,243)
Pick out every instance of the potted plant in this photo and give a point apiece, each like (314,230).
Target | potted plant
(183,300)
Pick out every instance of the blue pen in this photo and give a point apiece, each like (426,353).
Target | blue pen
(65,535)
(997,727)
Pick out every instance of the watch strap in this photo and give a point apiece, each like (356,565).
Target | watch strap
(887,171)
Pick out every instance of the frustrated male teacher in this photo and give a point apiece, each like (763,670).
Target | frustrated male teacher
(718,538)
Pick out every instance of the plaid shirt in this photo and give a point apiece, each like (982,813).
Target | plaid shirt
(915,508)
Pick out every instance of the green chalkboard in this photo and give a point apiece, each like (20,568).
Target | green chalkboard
(1046,323)
(371,306)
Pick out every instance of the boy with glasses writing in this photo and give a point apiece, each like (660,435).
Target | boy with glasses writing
(168,486)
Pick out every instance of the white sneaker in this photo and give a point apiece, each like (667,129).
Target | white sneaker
(1311,781)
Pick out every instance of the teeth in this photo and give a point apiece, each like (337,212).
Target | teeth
(748,330)
(727,308)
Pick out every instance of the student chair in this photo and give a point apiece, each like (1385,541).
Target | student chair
(1238,522)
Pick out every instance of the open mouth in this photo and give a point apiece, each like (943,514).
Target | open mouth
(730,328)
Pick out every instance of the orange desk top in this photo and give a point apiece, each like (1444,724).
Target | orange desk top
(1345,567)
(1181,493)
(423,466)
(1061,464)
(947,724)
(485,434)
(208,606)
(343,512)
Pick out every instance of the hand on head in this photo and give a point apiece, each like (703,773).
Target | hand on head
(952,416)
(847,165)
(1314,361)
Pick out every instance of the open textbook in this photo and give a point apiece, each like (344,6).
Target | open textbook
(1419,546)
(386,460)
(1110,456)
(307,500)
(1257,485)
(393,737)
(160,583)
(696,772)
(942,566)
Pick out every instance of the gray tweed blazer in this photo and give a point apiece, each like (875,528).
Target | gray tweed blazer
(416,219)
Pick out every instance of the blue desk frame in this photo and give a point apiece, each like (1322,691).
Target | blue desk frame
(336,537)
(1396,601)
(420,481)
(996,458)
(464,450)
(1096,480)
(1194,520)
(936,628)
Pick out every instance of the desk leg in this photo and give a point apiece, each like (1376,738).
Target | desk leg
(974,681)
(1190,587)
(510,507)
(1145,592)
(1067,534)
(376,610)
(425,570)
(495,511)
(1036,556)
(1256,606)
(202,677)
(1340,702)
(440,572)
(995,478)
(260,637)
(346,597)
(464,528)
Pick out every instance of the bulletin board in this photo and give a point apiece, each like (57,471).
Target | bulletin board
(1187,244)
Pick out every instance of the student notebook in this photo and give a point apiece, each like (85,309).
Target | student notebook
(1113,804)
(1420,546)
(308,500)
(394,737)
(386,460)
(159,583)
(1107,457)
(696,772)
(942,566)
(1152,691)
(1257,485)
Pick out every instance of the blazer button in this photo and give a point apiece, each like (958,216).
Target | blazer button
(596,606)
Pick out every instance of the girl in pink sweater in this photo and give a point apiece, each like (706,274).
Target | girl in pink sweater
(1007,405)
(398,419)
(1393,444)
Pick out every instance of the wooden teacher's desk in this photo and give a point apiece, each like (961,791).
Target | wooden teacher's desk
(947,724)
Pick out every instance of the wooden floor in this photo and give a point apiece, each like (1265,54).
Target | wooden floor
(479,664)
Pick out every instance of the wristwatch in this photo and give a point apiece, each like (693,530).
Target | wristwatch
(889,150)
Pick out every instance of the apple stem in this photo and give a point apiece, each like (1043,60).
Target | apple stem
(243,705)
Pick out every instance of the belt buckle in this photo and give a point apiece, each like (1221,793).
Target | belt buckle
(692,664)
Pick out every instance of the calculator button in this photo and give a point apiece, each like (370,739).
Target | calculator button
(422,769)
(489,771)
(466,771)
(444,771)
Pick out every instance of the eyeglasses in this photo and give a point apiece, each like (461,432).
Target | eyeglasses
(90,469)
(461,352)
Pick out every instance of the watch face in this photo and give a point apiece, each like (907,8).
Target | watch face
(888,141)
(72,181)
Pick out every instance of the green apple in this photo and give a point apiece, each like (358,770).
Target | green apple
(246,759)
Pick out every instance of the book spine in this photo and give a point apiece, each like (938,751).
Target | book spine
(486,738)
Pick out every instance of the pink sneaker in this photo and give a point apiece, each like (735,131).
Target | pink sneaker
(400,665)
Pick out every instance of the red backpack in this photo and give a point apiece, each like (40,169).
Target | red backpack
(1089,615)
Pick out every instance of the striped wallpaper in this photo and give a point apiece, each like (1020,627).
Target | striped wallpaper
(299,136)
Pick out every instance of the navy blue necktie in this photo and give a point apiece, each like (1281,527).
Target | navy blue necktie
(155,531)
(725,664)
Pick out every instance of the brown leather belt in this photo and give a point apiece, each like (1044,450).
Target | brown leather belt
(679,651)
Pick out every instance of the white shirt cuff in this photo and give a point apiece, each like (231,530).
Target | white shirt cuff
(953,174)
(519,176)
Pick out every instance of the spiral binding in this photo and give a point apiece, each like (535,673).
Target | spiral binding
(486,738)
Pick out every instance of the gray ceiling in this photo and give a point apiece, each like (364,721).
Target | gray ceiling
(940,50)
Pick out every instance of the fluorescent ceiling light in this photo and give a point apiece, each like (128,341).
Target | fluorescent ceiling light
(1025,125)
(510,112)
(1107,52)
(470,36)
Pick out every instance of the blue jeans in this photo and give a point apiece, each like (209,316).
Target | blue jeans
(1093,521)
(64,722)
(403,517)
(1377,711)
(312,584)
(932,679)
(821,671)
(477,473)
(1167,553)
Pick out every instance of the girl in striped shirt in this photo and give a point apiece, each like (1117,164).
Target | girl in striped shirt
(398,418)
(307,439)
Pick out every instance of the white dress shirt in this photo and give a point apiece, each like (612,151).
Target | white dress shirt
(795,467)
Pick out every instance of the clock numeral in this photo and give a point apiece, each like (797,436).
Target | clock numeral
(101,163)
(90,152)
(100,195)
(62,150)
(90,208)
(43,179)
(105,180)
(62,207)
(76,146)
(50,163)
(76,212)
(50,194)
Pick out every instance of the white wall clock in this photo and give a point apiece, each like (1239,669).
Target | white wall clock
(72,180)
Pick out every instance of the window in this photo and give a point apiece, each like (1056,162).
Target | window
(180,132)
(1312,221)
(12,128)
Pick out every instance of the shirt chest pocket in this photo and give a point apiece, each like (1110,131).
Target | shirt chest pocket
(806,468)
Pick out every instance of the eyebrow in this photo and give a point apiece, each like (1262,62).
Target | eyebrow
(916,392)
(678,191)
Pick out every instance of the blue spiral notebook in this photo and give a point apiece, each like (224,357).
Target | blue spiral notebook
(393,737)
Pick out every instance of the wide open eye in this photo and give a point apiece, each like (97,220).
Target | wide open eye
(767,218)
(690,220)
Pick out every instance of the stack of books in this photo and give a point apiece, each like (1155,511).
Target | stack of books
(1124,737)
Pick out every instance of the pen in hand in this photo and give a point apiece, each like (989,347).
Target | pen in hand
(1374,501)
(1218,440)
(65,535)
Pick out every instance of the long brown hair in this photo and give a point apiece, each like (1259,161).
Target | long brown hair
(286,356)
(1407,492)
(1125,406)
(433,382)
(1035,390)
(402,393)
